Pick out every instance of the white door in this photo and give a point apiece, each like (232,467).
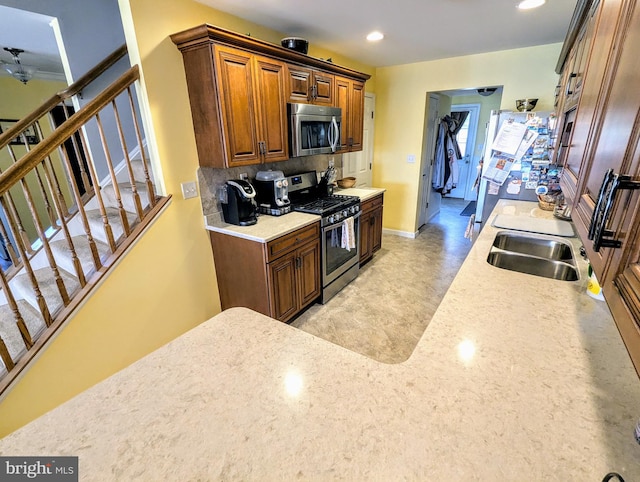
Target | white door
(359,164)
(429,205)
(467,141)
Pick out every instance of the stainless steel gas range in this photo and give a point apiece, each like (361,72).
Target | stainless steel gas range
(340,229)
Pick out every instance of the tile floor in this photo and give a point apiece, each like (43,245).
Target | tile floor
(383,313)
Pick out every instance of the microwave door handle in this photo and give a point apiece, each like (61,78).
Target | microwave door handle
(330,135)
(333,139)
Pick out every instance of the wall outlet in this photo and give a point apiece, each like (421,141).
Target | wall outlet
(189,189)
(331,162)
(244,175)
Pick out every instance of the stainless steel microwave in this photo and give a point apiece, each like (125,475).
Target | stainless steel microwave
(313,129)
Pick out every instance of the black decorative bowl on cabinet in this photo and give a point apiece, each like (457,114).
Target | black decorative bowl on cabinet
(295,43)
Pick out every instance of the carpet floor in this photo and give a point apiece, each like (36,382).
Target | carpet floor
(384,312)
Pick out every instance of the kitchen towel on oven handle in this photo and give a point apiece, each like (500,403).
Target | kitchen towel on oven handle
(348,235)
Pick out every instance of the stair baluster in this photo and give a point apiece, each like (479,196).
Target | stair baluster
(145,167)
(65,230)
(112,174)
(101,207)
(8,245)
(20,244)
(58,191)
(77,151)
(127,161)
(45,198)
(6,358)
(24,331)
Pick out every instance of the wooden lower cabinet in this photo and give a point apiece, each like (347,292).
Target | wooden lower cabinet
(370,228)
(278,278)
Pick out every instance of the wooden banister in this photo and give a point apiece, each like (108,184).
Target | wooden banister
(17,171)
(75,88)
(59,254)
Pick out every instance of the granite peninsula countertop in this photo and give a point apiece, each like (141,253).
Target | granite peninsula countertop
(515,378)
(271,227)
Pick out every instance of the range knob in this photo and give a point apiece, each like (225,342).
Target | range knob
(345,213)
(332,219)
(279,183)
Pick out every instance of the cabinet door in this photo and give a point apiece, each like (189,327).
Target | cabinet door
(298,84)
(308,273)
(272,108)
(356,115)
(323,88)
(365,237)
(342,100)
(282,279)
(376,230)
(234,73)
(622,286)
(612,144)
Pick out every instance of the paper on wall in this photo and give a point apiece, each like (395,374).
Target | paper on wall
(509,137)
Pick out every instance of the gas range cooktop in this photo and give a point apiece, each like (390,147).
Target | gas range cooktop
(307,196)
(326,205)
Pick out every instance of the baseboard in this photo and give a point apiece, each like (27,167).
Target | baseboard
(402,234)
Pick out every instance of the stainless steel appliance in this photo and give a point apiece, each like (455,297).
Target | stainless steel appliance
(272,193)
(340,230)
(525,175)
(238,205)
(313,129)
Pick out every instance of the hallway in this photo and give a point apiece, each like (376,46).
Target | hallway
(384,312)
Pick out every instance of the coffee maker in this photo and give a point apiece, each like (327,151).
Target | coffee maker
(272,193)
(238,206)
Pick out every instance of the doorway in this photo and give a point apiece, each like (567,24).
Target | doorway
(429,205)
(466,138)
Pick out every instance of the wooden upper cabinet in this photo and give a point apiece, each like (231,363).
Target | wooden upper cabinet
(309,86)
(576,125)
(239,87)
(272,108)
(252,106)
(234,73)
(349,96)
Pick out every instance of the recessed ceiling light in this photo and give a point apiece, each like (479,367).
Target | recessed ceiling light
(375,36)
(527,4)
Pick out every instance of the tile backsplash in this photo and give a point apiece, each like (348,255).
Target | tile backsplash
(210,179)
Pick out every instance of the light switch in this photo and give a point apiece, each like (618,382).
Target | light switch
(411,158)
(189,189)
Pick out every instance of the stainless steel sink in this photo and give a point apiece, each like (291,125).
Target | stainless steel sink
(535,255)
(542,247)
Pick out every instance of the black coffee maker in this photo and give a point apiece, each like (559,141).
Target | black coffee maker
(238,206)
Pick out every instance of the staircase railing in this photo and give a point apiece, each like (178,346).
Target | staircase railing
(70,205)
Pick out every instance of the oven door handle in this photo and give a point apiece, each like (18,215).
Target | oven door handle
(333,225)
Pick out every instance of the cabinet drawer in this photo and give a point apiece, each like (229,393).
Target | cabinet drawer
(371,204)
(283,245)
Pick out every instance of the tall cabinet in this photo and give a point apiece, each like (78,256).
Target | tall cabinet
(600,150)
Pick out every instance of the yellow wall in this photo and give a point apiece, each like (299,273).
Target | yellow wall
(400,112)
(167,284)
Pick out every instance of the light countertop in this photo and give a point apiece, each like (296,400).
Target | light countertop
(515,378)
(271,227)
